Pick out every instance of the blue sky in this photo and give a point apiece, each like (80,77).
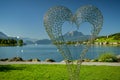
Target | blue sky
(24,18)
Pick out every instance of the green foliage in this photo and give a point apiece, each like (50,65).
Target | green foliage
(110,38)
(11,42)
(56,72)
(108,57)
(117,37)
(8,42)
(116,34)
(94,60)
(20,42)
(118,58)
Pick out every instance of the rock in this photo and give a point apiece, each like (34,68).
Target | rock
(29,60)
(49,60)
(68,61)
(94,60)
(4,59)
(35,60)
(63,61)
(86,60)
(16,59)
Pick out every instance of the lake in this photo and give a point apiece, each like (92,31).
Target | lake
(43,52)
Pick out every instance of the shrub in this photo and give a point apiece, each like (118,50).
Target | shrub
(107,57)
(118,58)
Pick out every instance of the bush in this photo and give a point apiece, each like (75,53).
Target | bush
(108,57)
(118,58)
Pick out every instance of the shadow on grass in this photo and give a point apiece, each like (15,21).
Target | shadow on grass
(5,68)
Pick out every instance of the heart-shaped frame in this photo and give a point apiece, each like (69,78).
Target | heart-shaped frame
(53,21)
(56,16)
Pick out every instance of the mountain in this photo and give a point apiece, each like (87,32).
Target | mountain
(3,36)
(25,40)
(44,41)
(75,35)
(29,40)
(69,36)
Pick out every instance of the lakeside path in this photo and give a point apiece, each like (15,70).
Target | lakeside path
(84,63)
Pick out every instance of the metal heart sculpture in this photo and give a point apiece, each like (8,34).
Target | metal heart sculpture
(58,15)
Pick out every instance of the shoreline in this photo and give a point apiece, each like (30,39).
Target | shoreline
(63,63)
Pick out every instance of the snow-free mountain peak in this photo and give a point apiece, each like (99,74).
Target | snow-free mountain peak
(3,36)
(75,35)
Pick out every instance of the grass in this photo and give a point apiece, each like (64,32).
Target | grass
(56,72)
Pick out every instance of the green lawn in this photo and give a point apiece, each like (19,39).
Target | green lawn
(56,72)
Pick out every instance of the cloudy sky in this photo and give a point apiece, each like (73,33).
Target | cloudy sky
(24,18)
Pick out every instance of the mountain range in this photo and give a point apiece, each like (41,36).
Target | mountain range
(69,36)
(3,36)
(26,40)
(75,35)
(43,41)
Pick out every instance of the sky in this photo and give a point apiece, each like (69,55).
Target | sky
(24,18)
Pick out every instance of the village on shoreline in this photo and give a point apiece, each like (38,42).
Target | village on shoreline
(113,39)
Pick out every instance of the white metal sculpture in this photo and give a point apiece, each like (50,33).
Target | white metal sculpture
(53,21)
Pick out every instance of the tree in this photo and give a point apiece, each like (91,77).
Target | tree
(20,42)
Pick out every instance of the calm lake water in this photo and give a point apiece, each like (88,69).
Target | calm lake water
(43,52)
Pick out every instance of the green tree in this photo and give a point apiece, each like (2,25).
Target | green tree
(20,42)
